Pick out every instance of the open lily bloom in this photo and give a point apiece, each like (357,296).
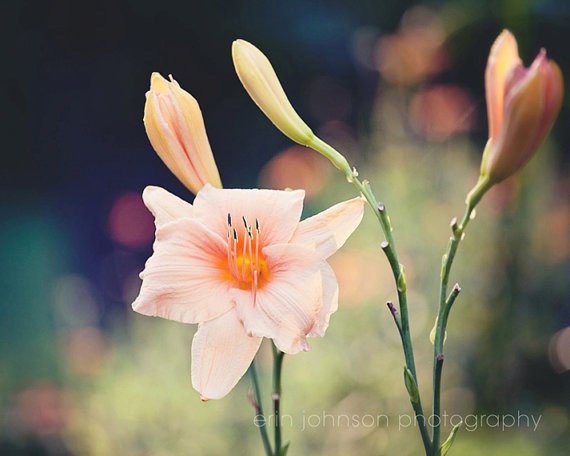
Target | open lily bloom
(242,265)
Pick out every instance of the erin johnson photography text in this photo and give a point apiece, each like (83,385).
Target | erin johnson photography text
(469,422)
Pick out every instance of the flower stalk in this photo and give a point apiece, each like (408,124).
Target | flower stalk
(444,308)
(278,356)
(258,406)
(388,247)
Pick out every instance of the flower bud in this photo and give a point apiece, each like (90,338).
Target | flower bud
(175,127)
(522,104)
(259,79)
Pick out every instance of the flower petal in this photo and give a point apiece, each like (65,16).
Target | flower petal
(553,95)
(514,145)
(186,278)
(157,121)
(503,57)
(330,300)
(193,135)
(278,212)
(221,354)
(288,305)
(329,230)
(165,206)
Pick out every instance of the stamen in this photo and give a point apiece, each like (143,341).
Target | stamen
(258,229)
(252,265)
(244,250)
(229,249)
(254,287)
(234,252)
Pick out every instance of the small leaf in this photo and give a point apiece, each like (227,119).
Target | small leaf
(402,280)
(411,386)
(284,450)
(432,334)
(447,444)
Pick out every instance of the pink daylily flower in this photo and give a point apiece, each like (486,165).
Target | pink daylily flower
(522,104)
(242,265)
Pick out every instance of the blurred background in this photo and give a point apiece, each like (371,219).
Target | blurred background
(397,86)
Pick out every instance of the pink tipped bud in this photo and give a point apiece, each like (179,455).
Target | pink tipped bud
(175,127)
(522,105)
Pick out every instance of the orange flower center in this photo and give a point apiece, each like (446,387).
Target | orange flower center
(246,263)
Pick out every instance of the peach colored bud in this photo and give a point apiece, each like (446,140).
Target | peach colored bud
(522,105)
(259,79)
(175,127)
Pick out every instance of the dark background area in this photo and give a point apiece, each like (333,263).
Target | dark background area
(78,70)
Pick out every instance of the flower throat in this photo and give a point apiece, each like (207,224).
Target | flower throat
(245,260)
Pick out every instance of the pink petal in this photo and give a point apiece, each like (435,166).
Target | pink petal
(221,354)
(330,300)
(192,134)
(165,206)
(329,230)
(514,145)
(503,57)
(158,123)
(288,305)
(186,278)
(278,212)
(553,95)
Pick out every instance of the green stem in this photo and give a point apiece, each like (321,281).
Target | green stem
(389,248)
(259,410)
(278,356)
(438,368)
(446,302)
